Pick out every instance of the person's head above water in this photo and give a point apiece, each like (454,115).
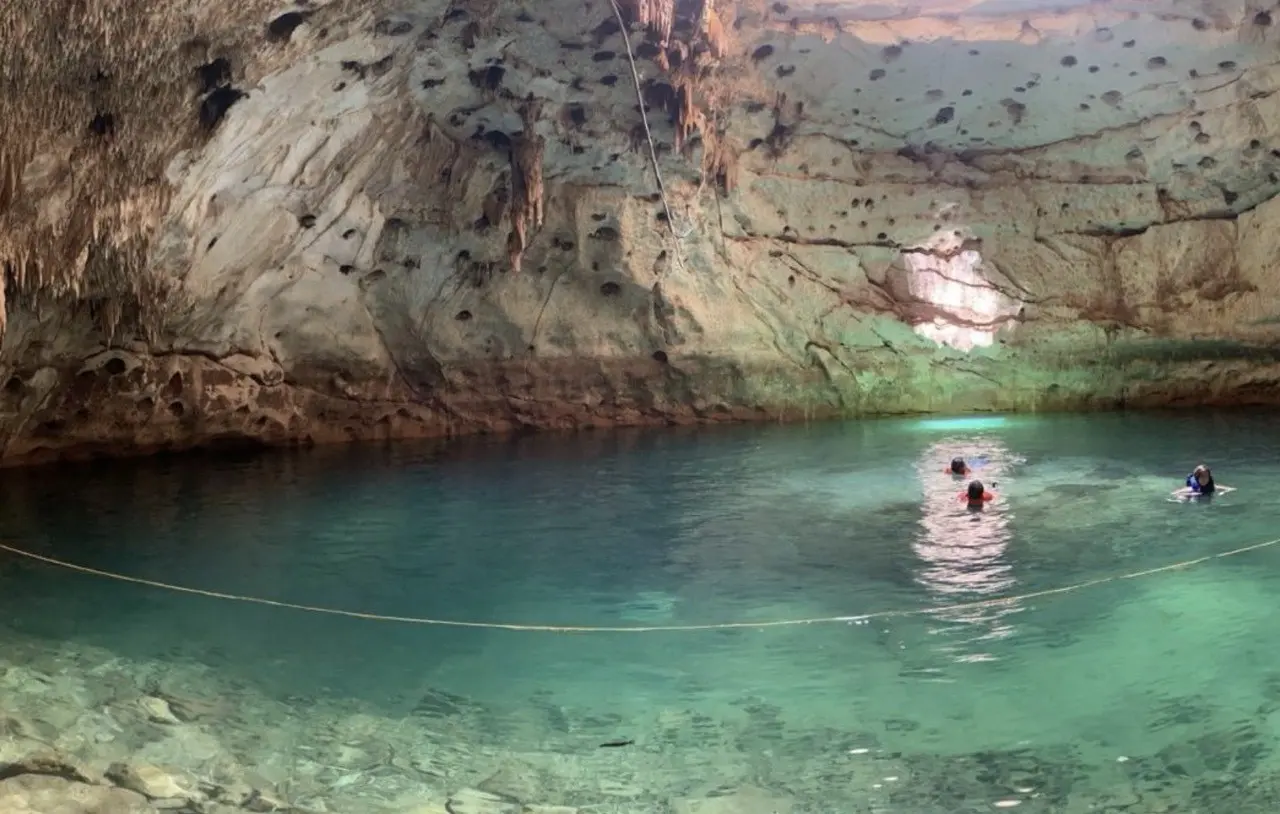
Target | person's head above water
(1201,480)
(976,492)
(958,466)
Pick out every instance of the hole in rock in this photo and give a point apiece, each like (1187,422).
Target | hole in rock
(660,356)
(214,74)
(462,316)
(489,78)
(103,124)
(392,28)
(216,105)
(281,28)
(606,30)
(610,289)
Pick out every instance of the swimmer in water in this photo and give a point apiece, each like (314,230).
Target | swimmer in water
(977,496)
(1201,484)
(959,467)
(1200,481)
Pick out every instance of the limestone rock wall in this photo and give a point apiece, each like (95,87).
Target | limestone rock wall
(995,207)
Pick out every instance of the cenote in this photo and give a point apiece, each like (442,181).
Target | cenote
(1159,692)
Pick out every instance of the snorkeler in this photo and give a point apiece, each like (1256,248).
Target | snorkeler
(976,495)
(958,467)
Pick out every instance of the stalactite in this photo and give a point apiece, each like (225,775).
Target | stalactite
(657,15)
(101,93)
(717,36)
(720,156)
(4,304)
(526,185)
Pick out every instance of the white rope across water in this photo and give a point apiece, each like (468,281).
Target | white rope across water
(819,620)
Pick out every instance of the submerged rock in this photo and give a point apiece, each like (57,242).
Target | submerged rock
(742,801)
(150,781)
(43,794)
(474,801)
(158,710)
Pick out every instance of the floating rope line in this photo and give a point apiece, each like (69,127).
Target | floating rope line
(819,620)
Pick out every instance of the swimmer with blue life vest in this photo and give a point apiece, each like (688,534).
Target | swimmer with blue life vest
(1200,483)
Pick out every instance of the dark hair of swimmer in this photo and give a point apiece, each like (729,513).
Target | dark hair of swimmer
(958,466)
(976,491)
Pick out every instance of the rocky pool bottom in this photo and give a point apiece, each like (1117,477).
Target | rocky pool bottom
(83,730)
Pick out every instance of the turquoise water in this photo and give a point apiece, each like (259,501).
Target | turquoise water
(1157,693)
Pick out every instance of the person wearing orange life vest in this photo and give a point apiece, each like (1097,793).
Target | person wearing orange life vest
(977,496)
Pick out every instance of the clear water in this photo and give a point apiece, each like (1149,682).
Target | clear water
(1164,690)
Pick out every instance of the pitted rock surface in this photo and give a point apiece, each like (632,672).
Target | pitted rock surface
(1013,205)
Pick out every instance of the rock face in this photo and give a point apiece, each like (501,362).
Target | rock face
(393,220)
